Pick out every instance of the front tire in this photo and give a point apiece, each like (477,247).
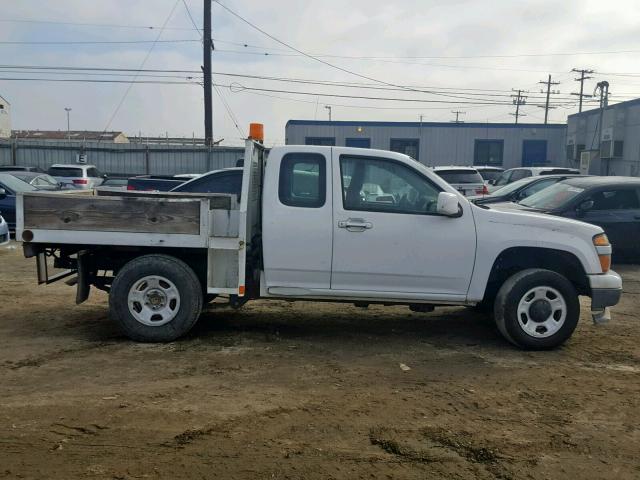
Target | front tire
(155,298)
(537,309)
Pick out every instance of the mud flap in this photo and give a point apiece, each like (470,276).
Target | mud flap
(83,286)
(601,316)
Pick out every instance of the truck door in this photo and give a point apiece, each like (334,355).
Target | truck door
(296,227)
(387,236)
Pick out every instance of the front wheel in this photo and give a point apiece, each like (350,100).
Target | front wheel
(155,298)
(537,309)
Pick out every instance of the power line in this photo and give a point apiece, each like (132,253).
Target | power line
(95,42)
(144,61)
(350,72)
(227,107)
(80,24)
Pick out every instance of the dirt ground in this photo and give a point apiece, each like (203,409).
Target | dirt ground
(280,390)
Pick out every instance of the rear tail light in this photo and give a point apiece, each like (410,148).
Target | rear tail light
(130,187)
(80,181)
(482,191)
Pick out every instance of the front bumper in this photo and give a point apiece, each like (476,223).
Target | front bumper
(606,290)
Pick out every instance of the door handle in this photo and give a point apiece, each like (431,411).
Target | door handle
(355,224)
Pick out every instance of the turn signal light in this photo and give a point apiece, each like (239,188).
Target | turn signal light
(601,240)
(605,262)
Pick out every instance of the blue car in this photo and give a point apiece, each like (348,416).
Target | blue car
(9,187)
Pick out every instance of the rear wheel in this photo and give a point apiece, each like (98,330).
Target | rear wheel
(155,298)
(537,309)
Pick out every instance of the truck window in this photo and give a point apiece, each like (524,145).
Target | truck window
(303,180)
(377,185)
(69,172)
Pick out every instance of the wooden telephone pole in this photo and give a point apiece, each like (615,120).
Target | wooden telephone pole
(207,45)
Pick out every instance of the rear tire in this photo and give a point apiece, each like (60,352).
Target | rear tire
(537,309)
(155,298)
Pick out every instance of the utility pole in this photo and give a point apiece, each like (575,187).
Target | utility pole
(68,110)
(328,107)
(582,78)
(548,83)
(518,100)
(458,113)
(604,101)
(207,47)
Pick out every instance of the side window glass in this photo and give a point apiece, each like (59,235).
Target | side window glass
(303,180)
(615,200)
(385,186)
(520,174)
(503,179)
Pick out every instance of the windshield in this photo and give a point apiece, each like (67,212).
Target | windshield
(14,184)
(553,197)
(511,187)
(460,176)
(65,172)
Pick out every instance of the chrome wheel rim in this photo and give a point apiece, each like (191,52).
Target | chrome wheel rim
(154,301)
(542,311)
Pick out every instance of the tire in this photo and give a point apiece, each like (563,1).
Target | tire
(155,298)
(537,309)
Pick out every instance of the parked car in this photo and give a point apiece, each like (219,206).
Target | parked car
(488,173)
(227,180)
(9,187)
(154,183)
(41,181)
(519,173)
(4,232)
(20,168)
(466,180)
(81,177)
(612,203)
(520,189)
(114,184)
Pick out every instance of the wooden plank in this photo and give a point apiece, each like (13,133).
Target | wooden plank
(218,201)
(111,214)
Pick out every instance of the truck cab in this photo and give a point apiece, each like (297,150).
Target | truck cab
(323,223)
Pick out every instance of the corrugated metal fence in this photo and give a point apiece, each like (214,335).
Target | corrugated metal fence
(121,158)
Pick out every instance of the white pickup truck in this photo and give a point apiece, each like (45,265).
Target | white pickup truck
(321,223)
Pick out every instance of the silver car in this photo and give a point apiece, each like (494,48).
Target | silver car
(81,177)
(4,232)
(466,180)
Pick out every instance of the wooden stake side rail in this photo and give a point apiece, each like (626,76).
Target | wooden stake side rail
(162,213)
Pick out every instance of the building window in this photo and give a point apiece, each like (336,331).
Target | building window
(570,154)
(618,148)
(303,180)
(358,142)
(326,141)
(488,152)
(408,146)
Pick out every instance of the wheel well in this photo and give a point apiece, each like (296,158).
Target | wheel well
(516,259)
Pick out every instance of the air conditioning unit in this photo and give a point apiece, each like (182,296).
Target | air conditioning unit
(609,146)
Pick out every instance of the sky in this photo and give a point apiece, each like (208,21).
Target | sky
(442,56)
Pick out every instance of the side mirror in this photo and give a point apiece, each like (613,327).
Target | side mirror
(105,176)
(491,182)
(448,205)
(3,193)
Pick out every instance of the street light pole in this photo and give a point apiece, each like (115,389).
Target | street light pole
(328,107)
(68,110)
